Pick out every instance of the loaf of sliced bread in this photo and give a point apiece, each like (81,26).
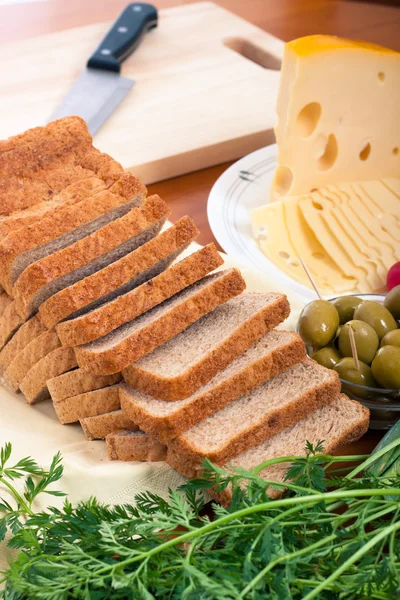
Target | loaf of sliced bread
(89,404)
(10,322)
(271,407)
(134,446)
(271,355)
(24,336)
(31,354)
(53,232)
(34,386)
(96,428)
(111,242)
(40,182)
(340,422)
(191,359)
(126,307)
(77,382)
(137,338)
(121,276)
(5,301)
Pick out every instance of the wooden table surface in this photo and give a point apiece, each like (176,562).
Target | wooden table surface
(286,19)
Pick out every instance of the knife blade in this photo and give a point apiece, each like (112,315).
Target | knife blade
(100,88)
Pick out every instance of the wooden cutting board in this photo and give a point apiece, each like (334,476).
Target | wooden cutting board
(205,92)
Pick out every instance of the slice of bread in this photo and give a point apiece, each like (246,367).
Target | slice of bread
(191,359)
(33,352)
(53,232)
(33,385)
(49,275)
(10,322)
(137,338)
(272,354)
(5,301)
(77,382)
(126,307)
(89,404)
(134,446)
(40,182)
(340,422)
(121,276)
(96,428)
(24,336)
(268,409)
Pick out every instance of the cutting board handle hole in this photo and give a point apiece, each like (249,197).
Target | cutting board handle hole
(252,52)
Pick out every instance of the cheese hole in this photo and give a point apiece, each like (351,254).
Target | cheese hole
(283,180)
(294,263)
(284,254)
(313,190)
(348,277)
(381,76)
(328,158)
(308,118)
(317,205)
(365,152)
(318,255)
(395,151)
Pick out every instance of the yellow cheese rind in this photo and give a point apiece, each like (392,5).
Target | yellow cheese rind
(315,44)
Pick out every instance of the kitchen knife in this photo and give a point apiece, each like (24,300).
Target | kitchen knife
(100,88)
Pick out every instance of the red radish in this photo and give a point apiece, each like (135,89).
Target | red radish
(393,276)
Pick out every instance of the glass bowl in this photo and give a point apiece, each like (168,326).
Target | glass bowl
(383,404)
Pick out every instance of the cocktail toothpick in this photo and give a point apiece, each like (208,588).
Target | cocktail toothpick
(310,277)
(354,348)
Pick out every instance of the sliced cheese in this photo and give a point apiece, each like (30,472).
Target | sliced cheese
(334,126)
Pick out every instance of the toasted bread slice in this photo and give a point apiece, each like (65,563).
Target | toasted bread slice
(23,336)
(77,382)
(10,322)
(89,404)
(99,426)
(59,361)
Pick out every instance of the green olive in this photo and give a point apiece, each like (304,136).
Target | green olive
(377,316)
(335,341)
(348,372)
(392,302)
(346,305)
(392,338)
(386,367)
(318,323)
(327,357)
(366,339)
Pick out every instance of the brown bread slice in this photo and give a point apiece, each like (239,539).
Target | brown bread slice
(177,369)
(130,342)
(90,404)
(77,382)
(121,276)
(134,446)
(35,144)
(24,335)
(99,426)
(126,307)
(40,182)
(33,386)
(340,422)
(49,275)
(23,362)
(260,414)
(10,322)
(51,233)
(5,301)
(272,354)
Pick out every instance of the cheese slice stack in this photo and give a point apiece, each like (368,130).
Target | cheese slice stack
(338,114)
(348,235)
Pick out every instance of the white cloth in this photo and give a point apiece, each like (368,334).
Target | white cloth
(34,431)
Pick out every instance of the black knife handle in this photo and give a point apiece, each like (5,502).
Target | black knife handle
(124,36)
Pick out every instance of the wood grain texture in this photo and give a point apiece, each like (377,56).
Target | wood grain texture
(285,19)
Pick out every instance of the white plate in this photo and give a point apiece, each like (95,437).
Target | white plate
(246,185)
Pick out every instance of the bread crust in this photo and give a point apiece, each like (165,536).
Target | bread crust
(229,284)
(89,404)
(128,306)
(92,288)
(10,322)
(77,255)
(77,382)
(24,336)
(213,399)
(98,427)
(127,447)
(184,385)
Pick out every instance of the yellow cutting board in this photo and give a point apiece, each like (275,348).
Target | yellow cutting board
(205,92)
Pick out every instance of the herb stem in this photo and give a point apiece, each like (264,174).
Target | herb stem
(17,497)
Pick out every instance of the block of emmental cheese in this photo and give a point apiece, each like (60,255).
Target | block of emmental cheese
(272,354)
(268,409)
(135,339)
(334,126)
(177,369)
(134,446)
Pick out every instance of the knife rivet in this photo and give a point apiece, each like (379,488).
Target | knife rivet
(105,51)
(136,8)
(122,29)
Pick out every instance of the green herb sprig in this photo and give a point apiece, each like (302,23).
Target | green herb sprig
(331,537)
